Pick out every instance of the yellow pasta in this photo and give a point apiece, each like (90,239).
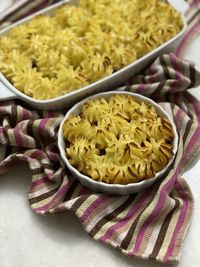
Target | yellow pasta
(50,56)
(118,140)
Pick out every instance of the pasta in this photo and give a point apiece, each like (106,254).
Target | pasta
(118,140)
(50,56)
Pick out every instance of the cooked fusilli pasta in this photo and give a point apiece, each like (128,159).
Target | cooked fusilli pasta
(50,56)
(118,140)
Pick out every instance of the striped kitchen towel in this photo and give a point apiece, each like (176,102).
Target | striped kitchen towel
(151,224)
(193,20)
(18,9)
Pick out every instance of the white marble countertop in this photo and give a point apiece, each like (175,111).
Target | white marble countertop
(31,240)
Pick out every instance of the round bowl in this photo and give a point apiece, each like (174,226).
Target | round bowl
(116,189)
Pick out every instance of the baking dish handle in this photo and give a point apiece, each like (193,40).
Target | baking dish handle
(5,92)
(180,5)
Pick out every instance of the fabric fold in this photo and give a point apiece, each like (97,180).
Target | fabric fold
(149,225)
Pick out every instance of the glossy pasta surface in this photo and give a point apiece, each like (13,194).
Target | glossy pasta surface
(50,56)
(119,140)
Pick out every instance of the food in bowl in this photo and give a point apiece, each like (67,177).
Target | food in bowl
(118,140)
(50,56)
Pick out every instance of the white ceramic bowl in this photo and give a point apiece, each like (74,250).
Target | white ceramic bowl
(114,188)
(8,91)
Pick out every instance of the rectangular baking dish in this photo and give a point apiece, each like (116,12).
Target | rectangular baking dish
(8,91)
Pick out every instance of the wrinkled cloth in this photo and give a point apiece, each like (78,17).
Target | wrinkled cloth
(193,27)
(18,9)
(151,224)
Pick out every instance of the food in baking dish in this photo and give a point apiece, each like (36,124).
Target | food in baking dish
(50,56)
(119,140)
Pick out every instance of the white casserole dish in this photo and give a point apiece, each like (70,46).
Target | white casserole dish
(8,91)
(116,189)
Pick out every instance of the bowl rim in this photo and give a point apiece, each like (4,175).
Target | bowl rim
(158,175)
